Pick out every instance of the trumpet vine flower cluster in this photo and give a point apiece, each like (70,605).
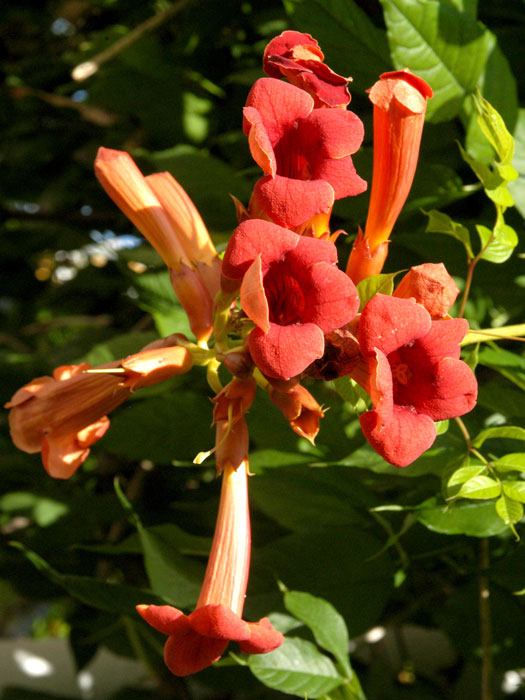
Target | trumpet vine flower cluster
(275,310)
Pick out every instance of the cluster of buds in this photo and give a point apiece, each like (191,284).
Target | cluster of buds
(276,309)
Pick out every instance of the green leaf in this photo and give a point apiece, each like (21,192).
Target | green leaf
(442,426)
(480,487)
(510,432)
(497,245)
(327,625)
(172,576)
(509,364)
(517,187)
(296,668)
(375,284)
(514,462)
(338,564)
(350,391)
(135,430)
(515,490)
(463,474)
(494,130)
(347,35)
(301,498)
(463,518)
(509,510)
(441,223)
(497,85)
(156,295)
(111,597)
(446,47)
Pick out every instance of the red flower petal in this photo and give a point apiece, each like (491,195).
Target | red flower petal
(414,80)
(62,455)
(254,237)
(341,174)
(444,338)
(285,351)
(331,133)
(263,638)
(452,392)
(220,622)
(292,44)
(403,438)
(291,202)
(280,106)
(160,617)
(331,297)
(253,297)
(260,145)
(186,651)
(298,58)
(310,251)
(387,323)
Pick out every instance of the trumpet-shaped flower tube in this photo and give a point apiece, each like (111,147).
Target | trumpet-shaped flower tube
(293,292)
(63,415)
(231,405)
(400,102)
(305,155)
(162,211)
(196,640)
(413,375)
(298,58)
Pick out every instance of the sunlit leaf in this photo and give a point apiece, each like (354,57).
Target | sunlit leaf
(296,668)
(443,45)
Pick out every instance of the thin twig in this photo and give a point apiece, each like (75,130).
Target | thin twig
(88,68)
(485,620)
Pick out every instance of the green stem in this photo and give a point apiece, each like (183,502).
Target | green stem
(485,335)
(485,621)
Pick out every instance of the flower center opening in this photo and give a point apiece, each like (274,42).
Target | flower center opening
(285,297)
(401,372)
(291,161)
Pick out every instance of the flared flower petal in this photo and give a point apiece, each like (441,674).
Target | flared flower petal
(292,290)
(263,638)
(301,151)
(292,203)
(285,351)
(414,376)
(401,439)
(388,323)
(187,652)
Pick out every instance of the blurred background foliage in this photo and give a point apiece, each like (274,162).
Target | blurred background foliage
(404,566)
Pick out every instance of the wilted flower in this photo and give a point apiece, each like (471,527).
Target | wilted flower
(298,58)
(299,408)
